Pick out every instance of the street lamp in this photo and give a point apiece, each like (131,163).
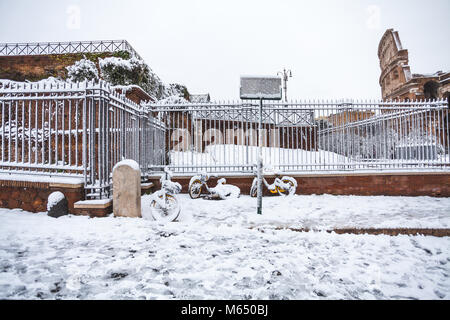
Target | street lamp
(285,74)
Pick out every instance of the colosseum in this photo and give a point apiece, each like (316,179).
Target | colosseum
(396,80)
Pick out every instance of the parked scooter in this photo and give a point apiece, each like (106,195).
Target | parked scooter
(223,191)
(165,206)
(284,186)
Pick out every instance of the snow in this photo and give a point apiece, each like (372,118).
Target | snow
(225,191)
(228,154)
(213,253)
(321,212)
(292,160)
(93,202)
(256,76)
(40,178)
(173,99)
(81,70)
(50,81)
(118,62)
(54,198)
(128,162)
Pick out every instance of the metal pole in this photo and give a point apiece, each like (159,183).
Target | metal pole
(285,85)
(260,164)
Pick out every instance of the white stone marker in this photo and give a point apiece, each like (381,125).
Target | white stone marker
(127,189)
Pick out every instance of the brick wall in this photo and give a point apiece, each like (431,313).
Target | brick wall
(32,196)
(392,184)
(34,68)
(38,67)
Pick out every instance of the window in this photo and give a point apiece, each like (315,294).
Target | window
(430,90)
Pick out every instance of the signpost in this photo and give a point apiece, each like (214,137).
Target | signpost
(260,88)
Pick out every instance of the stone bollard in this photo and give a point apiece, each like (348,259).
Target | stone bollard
(57,205)
(127,189)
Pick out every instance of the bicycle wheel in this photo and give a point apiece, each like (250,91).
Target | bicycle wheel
(195,189)
(167,212)
(254,191)
(292,186)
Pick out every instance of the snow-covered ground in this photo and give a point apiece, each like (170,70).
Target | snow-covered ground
(213,253)
(320,212)
(228,154)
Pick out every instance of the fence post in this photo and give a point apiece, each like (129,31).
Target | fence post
(260,164)
(84,139)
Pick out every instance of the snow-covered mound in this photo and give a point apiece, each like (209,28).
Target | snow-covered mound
(213,254)
(225,191)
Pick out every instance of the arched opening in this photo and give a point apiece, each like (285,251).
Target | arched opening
(430,90)
(395,74)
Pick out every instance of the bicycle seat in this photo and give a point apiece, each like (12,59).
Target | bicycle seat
(203,175)
(170,186)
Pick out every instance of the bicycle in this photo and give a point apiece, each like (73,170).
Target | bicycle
(222,190)
(165,206)
(285,186)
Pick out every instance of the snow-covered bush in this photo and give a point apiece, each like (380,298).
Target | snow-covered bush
(120,71)
(125,71)
(82,70)
(134,71)
(172,100)
(174,93)
(175,89)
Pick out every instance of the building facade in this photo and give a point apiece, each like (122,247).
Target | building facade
(396,80)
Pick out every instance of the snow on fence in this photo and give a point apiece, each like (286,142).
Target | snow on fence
(37,48)
(84,129)
(80,129)
(307,136)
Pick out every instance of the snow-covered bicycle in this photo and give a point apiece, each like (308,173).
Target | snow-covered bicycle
(284,186)
(223,191)
(165,206)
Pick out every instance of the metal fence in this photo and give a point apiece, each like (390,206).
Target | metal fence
(37,48)
(312,136)
(79,130)
(84,129)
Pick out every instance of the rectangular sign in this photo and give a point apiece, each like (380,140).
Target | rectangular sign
(260,87)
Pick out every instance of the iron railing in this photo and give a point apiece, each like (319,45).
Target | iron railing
(79,130)
(38,48)
(84,129)
(311,136)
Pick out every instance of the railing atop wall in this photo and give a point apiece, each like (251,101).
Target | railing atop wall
(38,48)
(79,130)
(84,129)
(307,136)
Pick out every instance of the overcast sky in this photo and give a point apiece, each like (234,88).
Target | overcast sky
(330,45)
